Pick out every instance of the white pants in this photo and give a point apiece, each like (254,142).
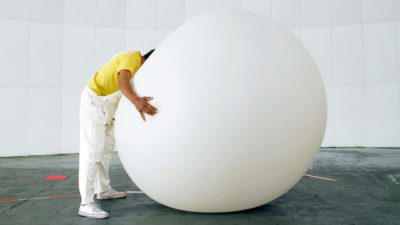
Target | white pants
(96,142)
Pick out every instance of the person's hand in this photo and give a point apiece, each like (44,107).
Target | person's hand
(143,106)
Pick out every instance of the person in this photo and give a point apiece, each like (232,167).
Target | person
(99,102)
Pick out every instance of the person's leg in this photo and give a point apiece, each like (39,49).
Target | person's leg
(102,183)
(104,189)
(92,141)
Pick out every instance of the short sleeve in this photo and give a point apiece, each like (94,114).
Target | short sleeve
(129,62)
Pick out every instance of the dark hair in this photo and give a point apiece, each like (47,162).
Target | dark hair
(147,55)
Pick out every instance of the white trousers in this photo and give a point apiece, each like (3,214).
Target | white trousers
(96,142)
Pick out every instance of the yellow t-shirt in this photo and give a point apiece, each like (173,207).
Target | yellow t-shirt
(105,80)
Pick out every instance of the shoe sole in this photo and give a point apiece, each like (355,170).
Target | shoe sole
(110,197)
(94,216)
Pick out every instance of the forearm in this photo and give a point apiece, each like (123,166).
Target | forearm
(141,103)
(128,92)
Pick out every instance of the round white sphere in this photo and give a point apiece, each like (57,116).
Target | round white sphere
(242,114)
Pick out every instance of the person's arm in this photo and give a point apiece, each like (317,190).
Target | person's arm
(141,103)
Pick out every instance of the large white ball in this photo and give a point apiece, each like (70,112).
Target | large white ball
(242,114)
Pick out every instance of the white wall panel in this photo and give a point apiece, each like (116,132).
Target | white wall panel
(45,64)
(318,42)
(196,7)
(348,58)
(109,42)
(259,6)
(380,53)
(48,10)
(170,13)
(142,40)
(70,120)
(287,12)
(397,9)
(78,55)
(346,12)
(383,115)
(44,121)
(80,12)
(161,35)
(330,131)
(111,13)
(13,121)
(227,4)
(316,13)
(397,33)
(350,115)
(141,14)
(14,54)
(15,9)
(378,10)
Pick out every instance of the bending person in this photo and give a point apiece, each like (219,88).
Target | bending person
(98,104)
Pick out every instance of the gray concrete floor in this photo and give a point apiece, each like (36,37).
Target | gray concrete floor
(366,191)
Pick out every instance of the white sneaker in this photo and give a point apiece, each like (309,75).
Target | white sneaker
(111,194)
(92,211)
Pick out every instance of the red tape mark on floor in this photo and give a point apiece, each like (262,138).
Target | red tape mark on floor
(56,177)
(320,178)
(8,200)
